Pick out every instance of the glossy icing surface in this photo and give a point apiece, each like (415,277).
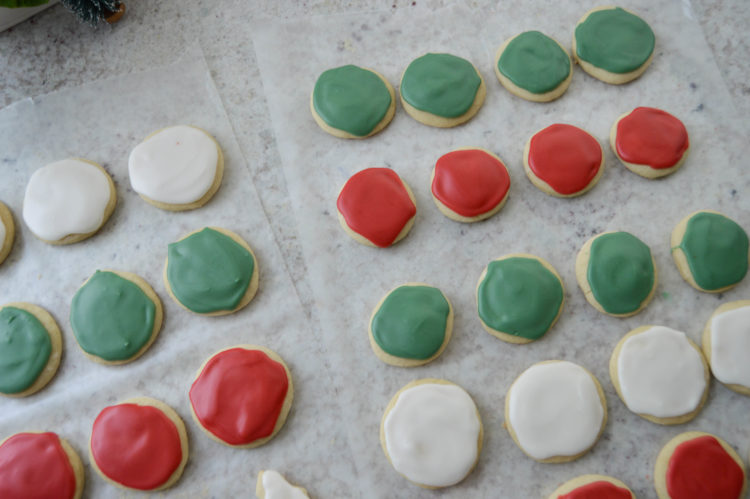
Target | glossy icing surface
(650,136)
(25,348)
(276,487)
(597,490)
(730,346)
(700,468)
(35,466)
(534,62)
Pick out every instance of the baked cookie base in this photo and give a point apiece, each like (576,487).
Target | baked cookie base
(430,119)
(582,480)
(6,218)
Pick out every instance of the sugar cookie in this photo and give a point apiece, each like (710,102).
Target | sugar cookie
(376,207)
(613,44)
(115,317)
(352,102)
(697,465)
(139,444)
(469,184)
(660,374)
(563,160)
(555,411)
(30,349)
(519,298)
(534,66)
(711,251)
(7,232)
(211,271)
(649,142)
(36,465)
(593,486)
(68,201)
(726,344)
(241,396)
(271,485)
(431,433)
(177,168)
(617,273)
(442,90)
(411,325)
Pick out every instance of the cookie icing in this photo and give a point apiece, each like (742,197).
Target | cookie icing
(238,395)
(3,232)
(276,487)
(209,271)
(519,296)
(137,446)
(470,182)
(716,249)
(35,465)
(730,345)
(651,137)
(598,490)
(620,272)
(25,347)
(534,62)
(66,197)
(376,205)
(701,468)
(660,373)
(351,99)
(176,165)
(441,84)
(614,40)
(432,433)
(566,157)
(555,410)
(111,317)
(411,322)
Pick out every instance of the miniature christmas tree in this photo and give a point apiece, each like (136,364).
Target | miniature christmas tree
(94,11)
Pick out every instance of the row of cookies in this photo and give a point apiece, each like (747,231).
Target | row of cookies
(443,90)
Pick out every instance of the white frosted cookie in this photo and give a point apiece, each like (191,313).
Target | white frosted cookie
(431,433)
(7,232)
(726,343)
(660,374)
(177,168)
(593,486)
(555,411)
(272,485)
(68,201)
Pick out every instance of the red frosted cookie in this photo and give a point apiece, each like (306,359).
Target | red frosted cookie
(650,142)
(376,207)
(39,465)
(139,444)
(563,160)
(469,185)
(593,487)
(242,396)
(697,465)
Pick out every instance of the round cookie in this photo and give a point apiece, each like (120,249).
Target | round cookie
(697,465)
(711,251)
(660,374)
(177,168)
(593,486)
(563,160)
(376,207)
(272,485)
(519,298)
(555,411)
(726,344)
(30,349)
(37,464)
(534,66)
(115,317)
(442,90)
(7,232)
(68,201)
(139,444)
(431,433)
(613,44)
(352,102)
(241,396)
(411,325)
(649,142)
(617,273)
(469,184)
(211,271)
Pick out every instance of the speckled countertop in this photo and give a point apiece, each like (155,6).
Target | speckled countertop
(52,51)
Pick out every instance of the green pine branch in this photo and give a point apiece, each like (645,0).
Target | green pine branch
(91,11)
